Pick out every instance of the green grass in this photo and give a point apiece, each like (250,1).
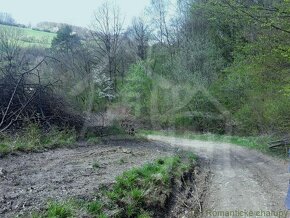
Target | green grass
(66,209)
(96,208)
(31,38)
(96,165)
(59,210)
(33,139)
(139,192)
(259,143)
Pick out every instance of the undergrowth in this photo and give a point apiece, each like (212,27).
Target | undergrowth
(33,138)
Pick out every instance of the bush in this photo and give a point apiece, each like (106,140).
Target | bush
(136,92)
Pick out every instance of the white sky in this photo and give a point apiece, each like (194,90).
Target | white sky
(75,12)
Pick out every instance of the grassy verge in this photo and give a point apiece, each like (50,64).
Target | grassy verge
(141,192)
(33,139)
(259,143)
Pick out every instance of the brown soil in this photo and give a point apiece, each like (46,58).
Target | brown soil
(28,181)
(242,179)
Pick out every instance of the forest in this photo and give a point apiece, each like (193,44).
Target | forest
(158,117)
(204,66)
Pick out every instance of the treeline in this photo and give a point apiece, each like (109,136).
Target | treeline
(203,65)
(216,66)
(7,19)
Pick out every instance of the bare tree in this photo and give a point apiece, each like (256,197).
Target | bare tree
(141,35)
(75,59)
(24,95)
(10,49)
(6,19)
(159,11)
(107,34)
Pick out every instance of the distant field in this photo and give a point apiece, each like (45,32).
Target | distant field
(32,37)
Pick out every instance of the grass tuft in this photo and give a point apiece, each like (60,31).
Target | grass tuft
(96,165)
(146,187)
(33,138)
(140,192)
(59,210)
(96,208)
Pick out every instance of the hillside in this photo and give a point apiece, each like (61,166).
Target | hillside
(178,109)
(31,37)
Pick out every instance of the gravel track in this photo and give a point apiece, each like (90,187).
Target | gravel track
(242,179)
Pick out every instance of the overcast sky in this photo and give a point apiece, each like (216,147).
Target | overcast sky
(76,12)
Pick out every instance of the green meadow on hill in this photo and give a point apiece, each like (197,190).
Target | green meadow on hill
(31,37)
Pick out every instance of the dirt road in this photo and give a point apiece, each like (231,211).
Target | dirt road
(243,180)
